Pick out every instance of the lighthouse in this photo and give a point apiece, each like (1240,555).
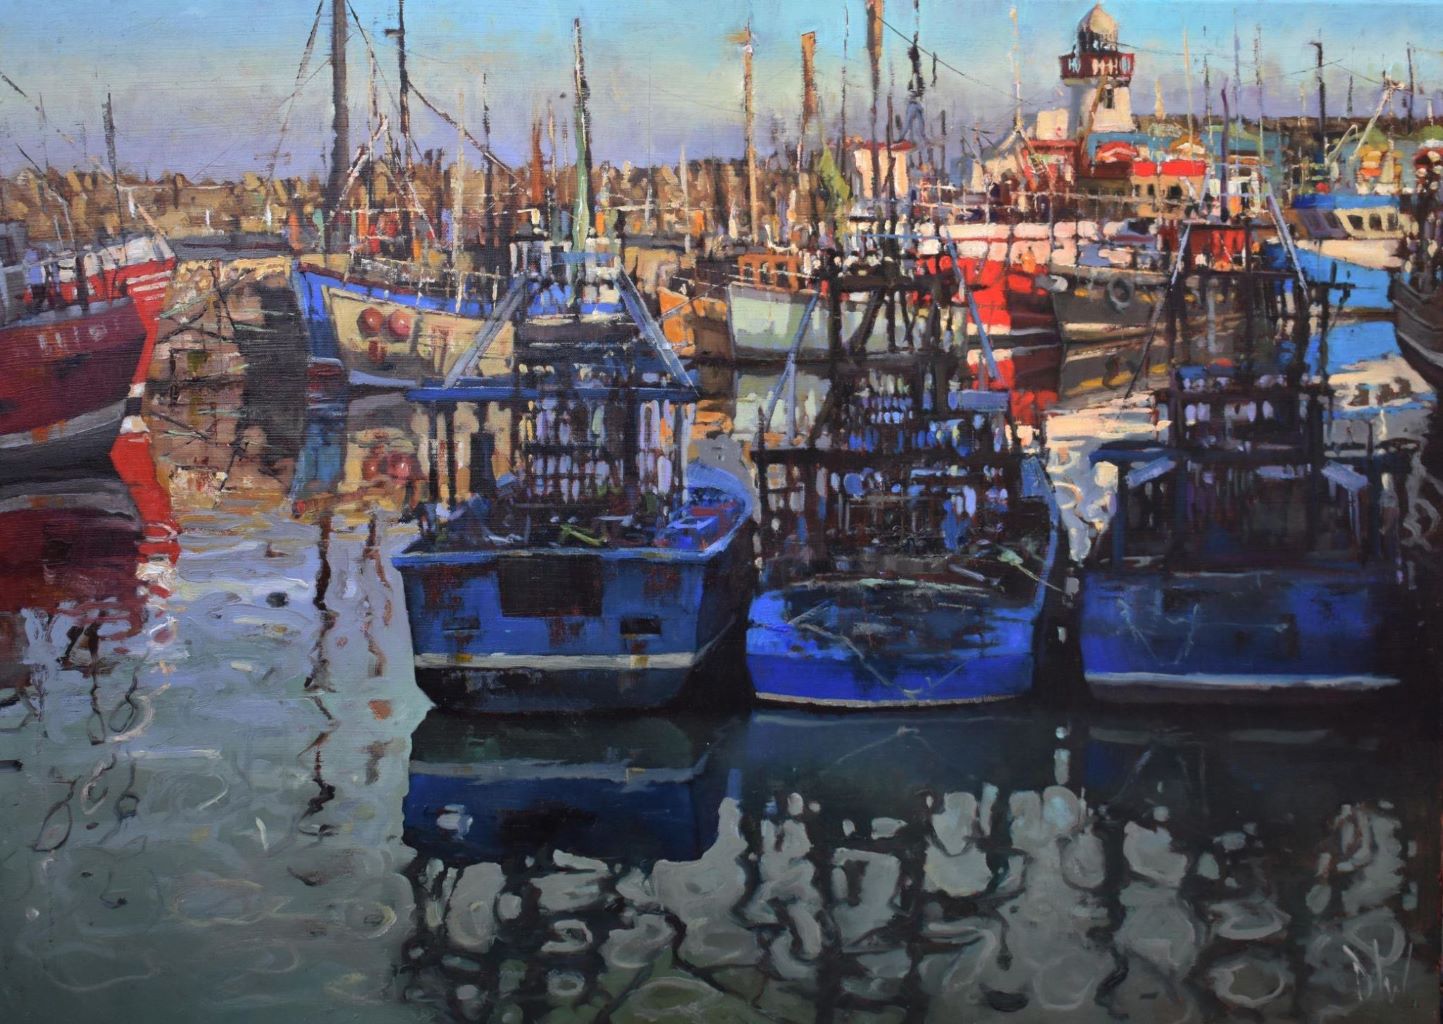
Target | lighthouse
(1099,76)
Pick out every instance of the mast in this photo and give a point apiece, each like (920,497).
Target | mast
(488,199)
(809,93)
(581,222)
(110,154)
(1187,75)
(1322,112)
(458,188)
(749,105)
(399,32)
(874,54)
(1411,86)
(842,124)
(1237,73)
(1258,81)
(341,125)
(685,201)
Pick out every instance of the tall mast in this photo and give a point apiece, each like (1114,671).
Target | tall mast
(1411,87)
(114,165)
(458,191)
(581,223)
(685,201)
(809,92)
(489,181)
(749,102)
(1258,80)
(399,32)
(341,124)
(1187,76)
(1322,112)
(875,10)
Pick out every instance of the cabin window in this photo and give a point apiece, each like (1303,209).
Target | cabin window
(1152,191)
(1356,219)
(1107,98)
(1375,221)
(1333,221)
(1174,191)
(1392,222)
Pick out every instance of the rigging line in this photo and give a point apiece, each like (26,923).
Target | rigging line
(290,101)
(484,150)
(377,72)
(950,67)
(221,153)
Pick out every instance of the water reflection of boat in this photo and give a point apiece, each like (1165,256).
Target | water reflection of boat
(68,546)
(864,765)
(633,790)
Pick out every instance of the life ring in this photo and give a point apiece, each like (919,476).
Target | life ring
(1120,291)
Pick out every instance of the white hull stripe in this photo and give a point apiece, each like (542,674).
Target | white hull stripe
(65,429)
(559,662)
(1214,681)
(668,660)
(839,702)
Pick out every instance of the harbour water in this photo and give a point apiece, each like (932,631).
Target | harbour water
(222,789)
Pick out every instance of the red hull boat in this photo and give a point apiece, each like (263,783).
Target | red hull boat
(76,336)
(65,376)
(139,269)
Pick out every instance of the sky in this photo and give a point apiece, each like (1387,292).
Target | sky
(202,87)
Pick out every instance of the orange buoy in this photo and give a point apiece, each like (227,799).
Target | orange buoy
(399,325)
(369,321)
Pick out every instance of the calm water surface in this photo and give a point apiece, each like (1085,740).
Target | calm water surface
(225,799)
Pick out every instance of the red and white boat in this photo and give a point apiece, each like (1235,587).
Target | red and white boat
(139,268)
(72,357)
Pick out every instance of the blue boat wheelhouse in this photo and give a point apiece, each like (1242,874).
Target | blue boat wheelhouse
(1243,559)
(577,561)
(910,548)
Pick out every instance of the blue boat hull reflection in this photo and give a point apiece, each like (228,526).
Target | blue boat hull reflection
(632,789)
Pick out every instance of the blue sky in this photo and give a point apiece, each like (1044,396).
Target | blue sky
(200,87)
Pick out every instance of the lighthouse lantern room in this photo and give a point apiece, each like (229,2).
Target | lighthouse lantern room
(1099,75)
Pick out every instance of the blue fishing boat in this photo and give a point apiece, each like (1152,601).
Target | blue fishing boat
(378,325)
(1348,237)
(579,561)
(1243,560)
(911,543)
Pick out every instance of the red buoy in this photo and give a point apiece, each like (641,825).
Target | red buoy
(399,324)
(369,321)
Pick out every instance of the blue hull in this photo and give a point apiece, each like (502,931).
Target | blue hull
(573,629)
(792,664)
(1196,637)
(1370,284)
(859,643)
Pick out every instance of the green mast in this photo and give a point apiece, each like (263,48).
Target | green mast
(581,222)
